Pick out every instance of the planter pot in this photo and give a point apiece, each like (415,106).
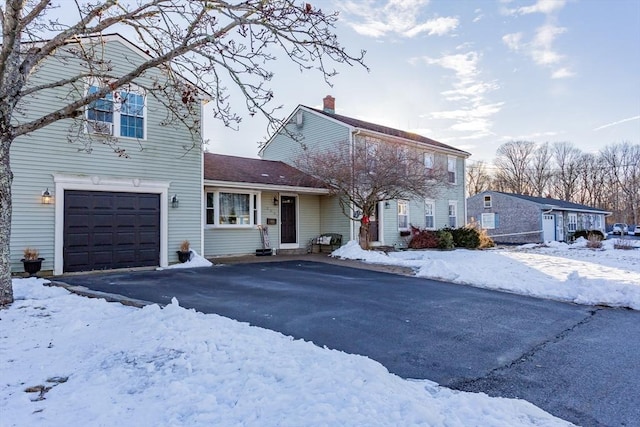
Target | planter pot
(32,266)
(184,256)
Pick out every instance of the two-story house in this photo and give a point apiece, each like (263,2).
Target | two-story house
(308,127)
(88,208)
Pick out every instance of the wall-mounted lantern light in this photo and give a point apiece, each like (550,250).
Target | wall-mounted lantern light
(174,201)
(387,205)
(46,197)
(275,200)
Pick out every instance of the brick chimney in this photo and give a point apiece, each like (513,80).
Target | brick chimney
(329,104)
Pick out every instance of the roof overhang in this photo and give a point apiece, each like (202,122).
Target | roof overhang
(418,144)
(560,208)
(265,187)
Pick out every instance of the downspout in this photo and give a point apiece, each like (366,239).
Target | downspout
(352,136)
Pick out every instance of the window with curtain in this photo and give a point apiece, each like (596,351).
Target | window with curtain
(227,209)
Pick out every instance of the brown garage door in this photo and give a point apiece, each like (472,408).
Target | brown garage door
(105,230)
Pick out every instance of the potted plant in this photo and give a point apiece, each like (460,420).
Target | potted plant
(184,254)
(31,261)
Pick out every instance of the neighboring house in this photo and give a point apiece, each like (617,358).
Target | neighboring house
(516,218)
(242,194)
(324,129)
(104,211)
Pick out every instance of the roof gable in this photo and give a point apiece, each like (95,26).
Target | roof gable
(219,167)
(361,124)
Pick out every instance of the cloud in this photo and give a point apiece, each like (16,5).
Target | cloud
(617,122)
(399,17)
(513,41)
(468,92)
(562,73)
(541,6)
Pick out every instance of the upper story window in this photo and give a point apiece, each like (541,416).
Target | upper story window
(487,201)
(428,160)
(232,209)
(429,214)
(451,169)
(403,215)
(120,113)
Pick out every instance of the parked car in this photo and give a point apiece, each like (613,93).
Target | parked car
(620,228)
(636,230)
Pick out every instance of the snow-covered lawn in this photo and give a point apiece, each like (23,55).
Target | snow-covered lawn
(606,276)
(67,360)
(87,362)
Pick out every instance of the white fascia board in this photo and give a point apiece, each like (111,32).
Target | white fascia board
(265,187)
(559,208)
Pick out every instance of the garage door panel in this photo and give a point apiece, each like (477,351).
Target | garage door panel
(106,230)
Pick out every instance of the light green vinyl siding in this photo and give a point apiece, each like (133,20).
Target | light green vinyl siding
(168,154)
(316,133)
(221,241)
(333,220)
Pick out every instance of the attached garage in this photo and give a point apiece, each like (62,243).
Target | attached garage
(108,230)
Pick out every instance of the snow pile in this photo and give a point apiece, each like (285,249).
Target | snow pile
(89,362)
(194,262)
(605,276)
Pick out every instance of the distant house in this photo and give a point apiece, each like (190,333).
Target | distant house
(242,193)
(92,211)
(324,129)
(516,218)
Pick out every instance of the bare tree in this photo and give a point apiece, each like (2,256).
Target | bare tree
(623,164)
(539,172)
(567,161)
(371,172)
(214,44)
(478,178)
(512,163)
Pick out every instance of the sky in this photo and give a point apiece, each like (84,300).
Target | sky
(70,360)
(474,74)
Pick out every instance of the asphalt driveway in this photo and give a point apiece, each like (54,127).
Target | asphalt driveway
(579,363)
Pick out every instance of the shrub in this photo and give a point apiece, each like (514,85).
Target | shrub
(423,239)
(485,240)
(588,234)
(445,239)
(184,246)
(594,241)
(30,254)
(465,237)
(624,244)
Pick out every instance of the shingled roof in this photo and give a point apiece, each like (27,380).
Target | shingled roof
(219,167)
(562,204)
(387,130)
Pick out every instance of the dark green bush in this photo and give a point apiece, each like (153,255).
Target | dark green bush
(445,239)
(465,237)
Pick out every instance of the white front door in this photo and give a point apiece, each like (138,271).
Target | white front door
(548,227)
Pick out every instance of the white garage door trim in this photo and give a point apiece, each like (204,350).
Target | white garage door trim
(102,183)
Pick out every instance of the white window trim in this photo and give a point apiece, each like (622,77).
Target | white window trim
(406,204)
(490,223)
(102,183)
(455,169)
(572,226)
(484,201)
(432,202)
(216,208)
(455,204)
(115,124)
(428,155)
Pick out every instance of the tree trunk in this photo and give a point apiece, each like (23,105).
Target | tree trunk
(364,234)
(6,178)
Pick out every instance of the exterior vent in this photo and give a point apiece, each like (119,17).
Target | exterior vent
(102,128)
(299,118)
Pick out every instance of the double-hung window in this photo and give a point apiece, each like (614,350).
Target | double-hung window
(428,160)
(429,215)
(232,209)
(451,169)
(572,224)
(403,215)
(121,113)
(453,214)
(487,201)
